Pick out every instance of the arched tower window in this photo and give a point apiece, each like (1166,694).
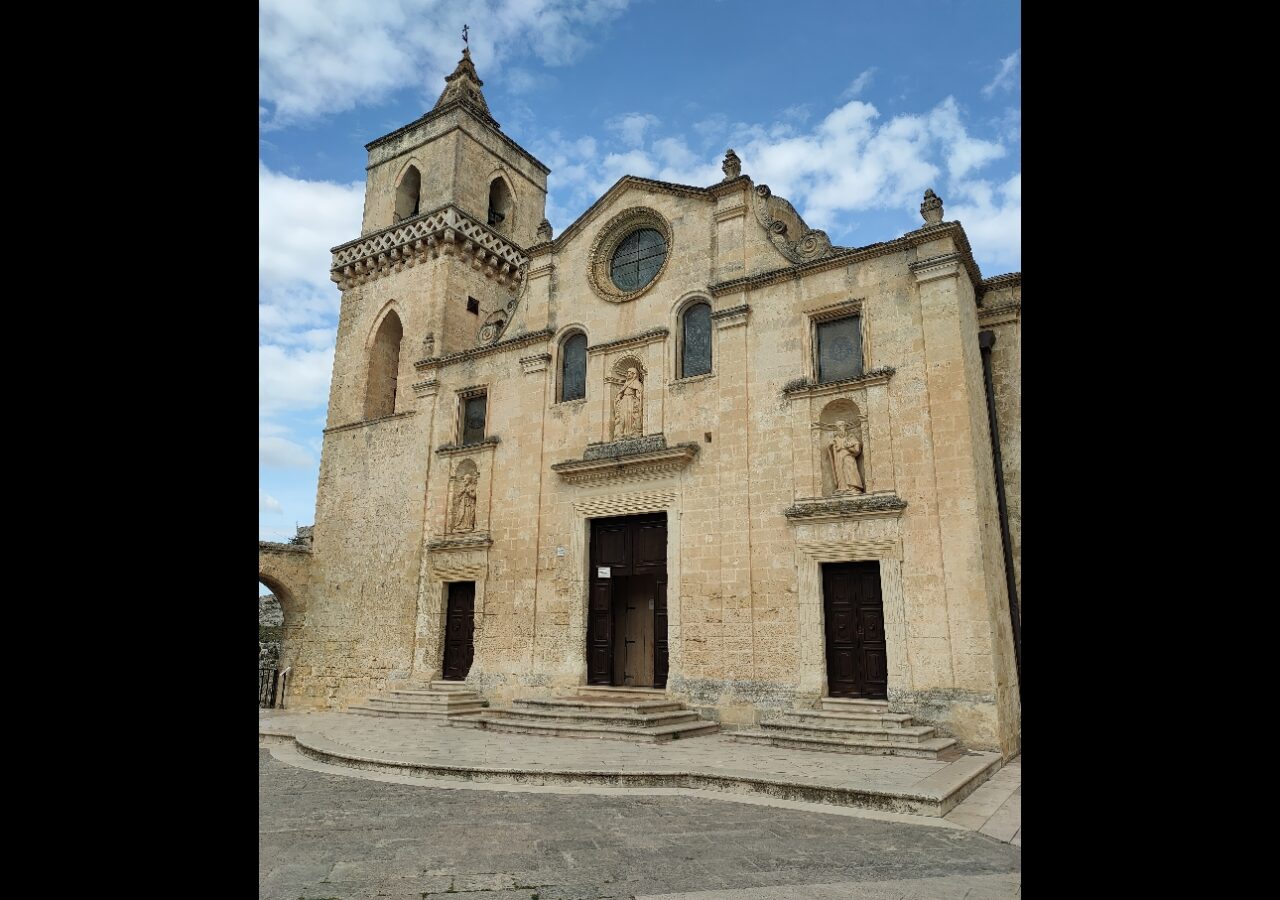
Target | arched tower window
(499,202)
(408,194)
(573,367)
(695,340)
(384,367)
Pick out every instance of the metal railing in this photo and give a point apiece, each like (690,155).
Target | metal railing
(268,680)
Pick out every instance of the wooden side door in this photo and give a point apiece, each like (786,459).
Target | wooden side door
(854,613)
(611,551)
(459,646)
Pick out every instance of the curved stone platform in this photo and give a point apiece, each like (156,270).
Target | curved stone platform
(423,750)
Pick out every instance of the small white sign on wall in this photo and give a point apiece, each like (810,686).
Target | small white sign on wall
(602,572)
(559,551)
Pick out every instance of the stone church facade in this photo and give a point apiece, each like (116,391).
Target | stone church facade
(687,444)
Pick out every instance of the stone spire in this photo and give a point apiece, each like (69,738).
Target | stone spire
(464,84)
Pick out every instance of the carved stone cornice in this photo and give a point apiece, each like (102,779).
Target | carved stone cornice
(442,111)
(520,340)
(651,464)
(804,387)
(428,388)
(446,230)
(1005,312)
(461,540)
(945,265)
(847,256)
(536,363)
(489,443)
(998,282)
(845,506)
(652,336)
(731,317)
(366,422)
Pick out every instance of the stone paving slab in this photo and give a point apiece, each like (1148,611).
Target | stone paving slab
(955,887)
(893,784)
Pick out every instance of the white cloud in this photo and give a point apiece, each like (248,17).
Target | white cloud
(292,378)
(992,218)
(281,453)
(267,503)
(632,126)
(859,84)
(324,56)
(1004,80)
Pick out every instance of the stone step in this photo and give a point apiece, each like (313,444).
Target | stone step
(854,704)
(599,717)
(590,703)
(883,720)
(913,734)
(661,734)
(622,689)
(441,708)
(414,713)
(934,748)
(435,698)
(441,685)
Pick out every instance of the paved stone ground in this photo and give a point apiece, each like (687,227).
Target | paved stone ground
(415,741)
(324,836)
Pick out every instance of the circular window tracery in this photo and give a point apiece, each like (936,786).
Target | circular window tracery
(629,254)
(638,259)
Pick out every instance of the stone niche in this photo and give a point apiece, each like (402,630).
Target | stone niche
(839,448)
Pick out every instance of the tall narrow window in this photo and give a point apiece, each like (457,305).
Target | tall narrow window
(499,202)
(408,194)
(695,341)
(384,368)
(473,412)
(573,367)
(839,349)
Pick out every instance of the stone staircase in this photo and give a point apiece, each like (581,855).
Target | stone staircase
(850,725)
(622,714)
(443,701)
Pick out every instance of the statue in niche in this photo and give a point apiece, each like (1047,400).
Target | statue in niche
(464,503)
(628,407)
(844,452)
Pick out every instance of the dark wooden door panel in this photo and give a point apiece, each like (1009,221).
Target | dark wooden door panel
(857,663)
(627,612)
(459,631)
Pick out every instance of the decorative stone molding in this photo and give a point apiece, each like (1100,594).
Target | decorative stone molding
(840,551)
(474,540)
(446,230)
(536,363)
(935,267)
(732,212)
(351,425)
(844,256)
(428,388)
(624,504)
(488,443)
(611,234)
(811,509)
(788,232)
(807,387)
(652,336)
(622,465)
(731,317)
(448,567)
(998,315)
(627,447)
(997,282)
(492,328)
(521,340)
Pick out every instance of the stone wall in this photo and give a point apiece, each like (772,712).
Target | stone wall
(270,631)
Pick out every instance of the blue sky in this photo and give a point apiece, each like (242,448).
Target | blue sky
(848,109)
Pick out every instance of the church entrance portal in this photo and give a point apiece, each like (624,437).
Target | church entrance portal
(627,612)
(854,613)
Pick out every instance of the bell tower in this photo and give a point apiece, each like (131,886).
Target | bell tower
(450,205)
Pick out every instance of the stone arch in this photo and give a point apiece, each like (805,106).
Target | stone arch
(502,202)
(384,367)
(840,410)
(408,196)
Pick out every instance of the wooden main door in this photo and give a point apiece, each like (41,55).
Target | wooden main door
(627,606)
(854,613)
(459,629)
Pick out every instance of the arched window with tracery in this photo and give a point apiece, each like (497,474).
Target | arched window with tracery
(695,340)
(573,367)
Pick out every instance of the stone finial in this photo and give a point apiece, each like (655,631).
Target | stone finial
(931,208)
(732,165)
(464,84)
(544,230)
